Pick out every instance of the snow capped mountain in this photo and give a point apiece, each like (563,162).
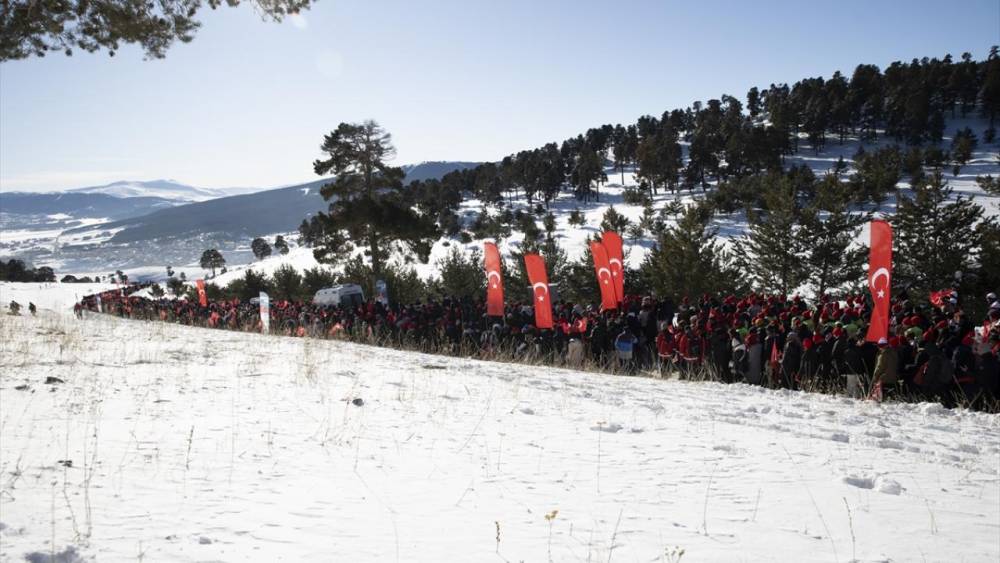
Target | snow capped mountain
(167,189)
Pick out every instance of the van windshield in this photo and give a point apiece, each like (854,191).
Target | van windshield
(351,300)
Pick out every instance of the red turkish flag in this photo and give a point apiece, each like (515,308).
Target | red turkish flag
(880,279)
(202,296)
(604,279)
(539,289)
(613,244)
(494,281)
(938,297)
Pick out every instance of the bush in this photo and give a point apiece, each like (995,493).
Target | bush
(614,221)
(635,196)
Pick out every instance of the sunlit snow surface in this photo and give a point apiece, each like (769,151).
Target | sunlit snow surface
(191,445)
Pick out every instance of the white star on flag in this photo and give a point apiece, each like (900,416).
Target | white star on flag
(541,298)
(881,294)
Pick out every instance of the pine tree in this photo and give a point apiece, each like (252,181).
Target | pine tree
(614,221)
(829,230)
(989,184)
(212,259)
(280,244)
(771,254)
(156,291)
(659,159)
(250,285)
(688,260)
(35,28)
(877,174)
(989,95)
(315,279)
(368,205)
(935,235)
(962,146)
(461,274)
(588,174)
(260,248)
(176,286)
(286,283)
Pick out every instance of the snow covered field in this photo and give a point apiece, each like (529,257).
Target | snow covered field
(170,443)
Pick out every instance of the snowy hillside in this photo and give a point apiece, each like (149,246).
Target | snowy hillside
(984,162)
(170,443)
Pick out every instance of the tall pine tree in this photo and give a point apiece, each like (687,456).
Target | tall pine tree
(688,260)
(828,230)
(772,252)
(935,235)
(368,206)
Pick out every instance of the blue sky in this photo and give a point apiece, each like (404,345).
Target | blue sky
(247,102)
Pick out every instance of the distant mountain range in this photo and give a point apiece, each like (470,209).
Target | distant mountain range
(166,189)
(130,199)
(135,223)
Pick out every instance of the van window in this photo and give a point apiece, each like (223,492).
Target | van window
(351,300)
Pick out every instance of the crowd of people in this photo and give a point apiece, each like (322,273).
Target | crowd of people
(931,352)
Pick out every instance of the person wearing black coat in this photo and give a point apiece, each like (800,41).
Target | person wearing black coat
(791,361)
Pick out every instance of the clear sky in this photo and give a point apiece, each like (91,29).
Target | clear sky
(247,102)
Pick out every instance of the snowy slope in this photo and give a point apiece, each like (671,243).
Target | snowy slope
(182,444)
(571,238)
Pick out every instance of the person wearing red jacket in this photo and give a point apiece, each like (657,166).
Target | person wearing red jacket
(666,350)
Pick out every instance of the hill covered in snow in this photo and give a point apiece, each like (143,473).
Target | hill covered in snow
(176,443)
(984,161)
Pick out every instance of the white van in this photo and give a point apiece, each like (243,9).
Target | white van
(348,294)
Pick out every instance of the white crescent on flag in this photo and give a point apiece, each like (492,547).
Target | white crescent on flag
(872,281)
(489,278)
(544,286)
(614,261)
(603,271)
(879,272)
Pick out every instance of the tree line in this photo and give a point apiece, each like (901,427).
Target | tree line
(15,270)
(800,226)
(732,138)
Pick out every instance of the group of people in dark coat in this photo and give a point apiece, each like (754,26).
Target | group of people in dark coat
(776,341)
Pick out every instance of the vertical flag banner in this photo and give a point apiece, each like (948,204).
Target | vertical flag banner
(265,313)
(539,289)
(202,296)
(880,279)
(613,244)
(494,281)
(605,281)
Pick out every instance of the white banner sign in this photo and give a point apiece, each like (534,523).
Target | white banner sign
(265,313)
